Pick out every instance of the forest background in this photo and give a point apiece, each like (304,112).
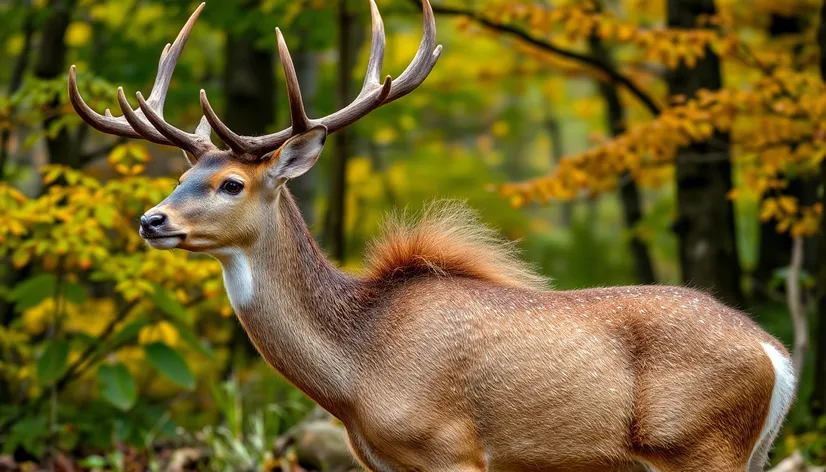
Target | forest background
(620,141)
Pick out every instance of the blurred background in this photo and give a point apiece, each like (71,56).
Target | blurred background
(620,141)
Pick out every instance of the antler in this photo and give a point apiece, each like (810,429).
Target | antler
(373,93)
(147,121)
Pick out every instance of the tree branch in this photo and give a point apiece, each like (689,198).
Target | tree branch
(585,59)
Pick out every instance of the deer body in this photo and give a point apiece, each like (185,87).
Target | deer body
(437,372)
(449,354)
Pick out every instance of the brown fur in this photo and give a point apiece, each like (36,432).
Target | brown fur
(450,354)
(447,239)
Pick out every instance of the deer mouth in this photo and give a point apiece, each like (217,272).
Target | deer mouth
(163,241)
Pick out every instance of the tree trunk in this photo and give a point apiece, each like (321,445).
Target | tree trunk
(51,63)
(347,48)
(249,82)
(16,79)
(817,402)
(629,192)
(705,215)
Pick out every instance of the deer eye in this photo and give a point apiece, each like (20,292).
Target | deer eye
(232,187)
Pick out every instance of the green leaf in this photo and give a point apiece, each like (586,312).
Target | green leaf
(129,332)
(33,290)
(117,385)
(170,363)
(30,433)
(169,305)
(53,361)
(75,293)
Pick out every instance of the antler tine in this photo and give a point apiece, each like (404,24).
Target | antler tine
(168,61)
(298,117)
(138,124)
(254,147)
(238,144)
(373,75)
(412,77)
(133,123)
(195,144)
(424,60)
(105,124)
(373,92)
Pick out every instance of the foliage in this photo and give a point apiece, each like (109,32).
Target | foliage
(773,111)
(246,440)
(109,347)
(100,301)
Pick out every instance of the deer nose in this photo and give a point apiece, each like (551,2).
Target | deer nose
(153,221)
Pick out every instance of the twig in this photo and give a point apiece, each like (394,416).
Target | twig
(591,61)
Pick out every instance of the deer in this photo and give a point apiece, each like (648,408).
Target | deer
(449,353)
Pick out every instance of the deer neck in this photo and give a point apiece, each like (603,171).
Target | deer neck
(296,307)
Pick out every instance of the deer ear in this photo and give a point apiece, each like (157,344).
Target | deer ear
(299,153)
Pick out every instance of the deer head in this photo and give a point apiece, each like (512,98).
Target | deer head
(222,198)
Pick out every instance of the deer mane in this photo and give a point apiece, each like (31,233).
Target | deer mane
(447,239)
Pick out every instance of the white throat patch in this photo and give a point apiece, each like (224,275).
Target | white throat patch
(237,277)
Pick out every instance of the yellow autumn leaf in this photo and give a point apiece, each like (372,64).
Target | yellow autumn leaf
(162,331)
(625,32)
(407,122)
(769,209)
(385,135)
(78,34)
(14,44)
(788,204)
(500,128)
(358,169)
